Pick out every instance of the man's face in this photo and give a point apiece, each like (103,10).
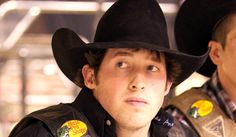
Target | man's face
(228,54)
(131,85)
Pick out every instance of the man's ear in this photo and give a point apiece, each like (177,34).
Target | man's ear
(168,86)
(89,77)
(215,50)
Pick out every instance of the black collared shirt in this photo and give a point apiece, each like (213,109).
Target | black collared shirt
(102,122)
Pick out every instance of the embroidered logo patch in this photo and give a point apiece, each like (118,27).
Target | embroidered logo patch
(216,127)
(200,108)
(72,128)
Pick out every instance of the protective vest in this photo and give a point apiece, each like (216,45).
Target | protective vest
(203,114)
(60,120)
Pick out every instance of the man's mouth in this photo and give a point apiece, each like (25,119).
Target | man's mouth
(134,101)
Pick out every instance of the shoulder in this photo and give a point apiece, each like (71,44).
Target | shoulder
(181,130)
(46,120)
(178,107)
(38,127)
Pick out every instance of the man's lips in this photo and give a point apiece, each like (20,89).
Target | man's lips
(136,101)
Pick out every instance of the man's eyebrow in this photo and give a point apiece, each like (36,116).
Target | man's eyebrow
(157,58)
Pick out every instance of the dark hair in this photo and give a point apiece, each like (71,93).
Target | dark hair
(173,69)
(95,57)
(222,28)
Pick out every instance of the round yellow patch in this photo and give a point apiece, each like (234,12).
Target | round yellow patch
(204,107)
(76,128)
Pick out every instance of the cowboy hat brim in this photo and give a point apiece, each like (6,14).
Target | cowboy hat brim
(69,49)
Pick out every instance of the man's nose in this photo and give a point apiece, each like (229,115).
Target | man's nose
(137,83)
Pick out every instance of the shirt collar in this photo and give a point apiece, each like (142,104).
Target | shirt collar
(213,83)
(161,124)
(94,112)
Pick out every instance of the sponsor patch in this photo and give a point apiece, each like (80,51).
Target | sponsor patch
(200,108)
(72,128)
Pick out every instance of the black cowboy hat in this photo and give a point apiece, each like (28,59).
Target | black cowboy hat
(126,24)
(194,24)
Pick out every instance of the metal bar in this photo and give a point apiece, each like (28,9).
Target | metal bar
(49,6)
(68,6)
(18,31)
(23,84)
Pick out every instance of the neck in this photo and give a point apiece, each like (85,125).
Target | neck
(132,132)
(228,85)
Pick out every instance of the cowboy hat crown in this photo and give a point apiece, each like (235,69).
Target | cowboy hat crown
(133,20)
(194,25)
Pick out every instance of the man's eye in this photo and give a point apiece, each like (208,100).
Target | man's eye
(121,65)
(153,68)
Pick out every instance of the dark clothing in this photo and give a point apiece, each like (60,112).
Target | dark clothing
(47,122)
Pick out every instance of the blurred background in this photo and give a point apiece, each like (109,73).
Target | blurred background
(29,77)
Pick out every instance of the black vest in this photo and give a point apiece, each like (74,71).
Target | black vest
(54,117)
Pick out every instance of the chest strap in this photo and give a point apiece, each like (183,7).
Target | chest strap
(215,124)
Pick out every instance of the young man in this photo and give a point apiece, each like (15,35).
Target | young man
(195,33)
(124,75)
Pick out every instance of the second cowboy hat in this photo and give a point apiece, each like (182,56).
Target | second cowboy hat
(126,24)
(194,25)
